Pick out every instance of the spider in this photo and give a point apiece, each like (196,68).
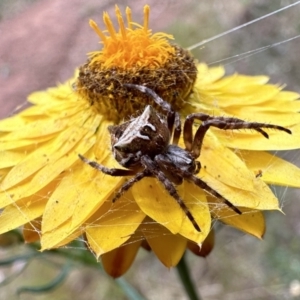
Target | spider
(142,145)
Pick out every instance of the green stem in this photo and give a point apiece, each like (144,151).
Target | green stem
(129,291)
(184,274)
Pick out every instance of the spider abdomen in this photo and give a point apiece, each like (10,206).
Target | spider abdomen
(182,159)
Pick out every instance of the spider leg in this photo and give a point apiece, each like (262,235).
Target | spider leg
(164,161)
(177,129)
(212,192)
(155,171)
(169,169)
(127,185)
(194,145)
(173,118)
(105,170)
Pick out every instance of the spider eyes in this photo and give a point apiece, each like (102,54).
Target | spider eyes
(115,131)
(147,129)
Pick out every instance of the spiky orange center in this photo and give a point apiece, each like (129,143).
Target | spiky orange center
(131,46)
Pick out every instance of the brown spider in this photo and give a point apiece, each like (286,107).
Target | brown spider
(142,145)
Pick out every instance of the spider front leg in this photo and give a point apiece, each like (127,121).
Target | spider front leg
(154,169)
(194,145)
(117,172)
(173,117)
(105,170)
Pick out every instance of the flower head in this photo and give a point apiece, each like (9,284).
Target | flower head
(48,189)
(134,55)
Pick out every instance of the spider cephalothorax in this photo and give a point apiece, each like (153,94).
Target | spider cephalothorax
(142,145)
(147,134)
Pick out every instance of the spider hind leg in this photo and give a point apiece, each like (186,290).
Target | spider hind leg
(200,183)
(168,185)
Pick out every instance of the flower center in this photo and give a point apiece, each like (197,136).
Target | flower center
(134,55)
(134,45)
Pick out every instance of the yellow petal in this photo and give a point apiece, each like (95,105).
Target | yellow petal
(119,260)
(260,197)
(208,75)
(11,124)
(38,128)
(27,145)
(223,164)
(276,107)
(55,94)
(286,96)
(52,242)
(81,192)
(113,224)
(11,158)
(215,86)
(46,154)
(156,202)
(76,235)
(274,170)
(257,96)
(23,212)
(59,237)
(48,173)
(195,200)
(205,248)
(89,190)
(168,247)
(261,115)
(240,84)
(250,221)
(254,141)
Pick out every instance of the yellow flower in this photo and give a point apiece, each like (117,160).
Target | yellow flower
(48,189)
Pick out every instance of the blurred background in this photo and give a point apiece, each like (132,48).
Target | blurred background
(43,41)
